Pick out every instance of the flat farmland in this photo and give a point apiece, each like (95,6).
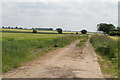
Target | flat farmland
(28,36)
(18,48)
(56,54)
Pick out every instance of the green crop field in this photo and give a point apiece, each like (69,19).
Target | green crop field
(15,30)
(28,36)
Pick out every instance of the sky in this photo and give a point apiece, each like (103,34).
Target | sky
(67,15)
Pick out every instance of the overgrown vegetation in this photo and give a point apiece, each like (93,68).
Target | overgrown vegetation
(16,50)
(107,49)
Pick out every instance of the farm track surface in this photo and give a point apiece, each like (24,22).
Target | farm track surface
(67,62)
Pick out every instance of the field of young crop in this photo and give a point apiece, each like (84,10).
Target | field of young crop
(25,30)
(28,36)
(107,49)
(18,48)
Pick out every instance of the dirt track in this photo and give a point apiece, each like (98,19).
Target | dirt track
(67,62)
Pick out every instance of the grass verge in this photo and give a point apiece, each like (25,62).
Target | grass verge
(107,50)
(82,41)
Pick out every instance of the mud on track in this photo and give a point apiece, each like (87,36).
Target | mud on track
(68,62)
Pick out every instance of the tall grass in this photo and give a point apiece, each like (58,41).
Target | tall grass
(17,52)
(105,45)
(107,48)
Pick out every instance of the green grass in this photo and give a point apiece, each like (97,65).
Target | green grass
(18,48)
(109,68)
(107,48)
(82,41)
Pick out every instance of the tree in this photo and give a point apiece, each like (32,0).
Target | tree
(20,28)
(3,27)
(76,32)
(59,30)
(34,31)
(51,29)
(84,31)
(106,28)
(9,27)
(118,28)
(16,27)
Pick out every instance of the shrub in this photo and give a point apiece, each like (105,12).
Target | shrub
(59,30)
(114,33)
(34,31)
(84,31)
(76,32)
(106,50)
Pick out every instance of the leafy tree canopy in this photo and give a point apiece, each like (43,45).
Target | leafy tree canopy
(118,28)
(59,30)
(106,28)
(84,31)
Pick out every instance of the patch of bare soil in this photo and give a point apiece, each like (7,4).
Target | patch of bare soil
(68,62)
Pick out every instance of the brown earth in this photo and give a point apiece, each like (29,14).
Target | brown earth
(67,62)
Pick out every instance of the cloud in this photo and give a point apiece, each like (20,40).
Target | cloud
(68,15)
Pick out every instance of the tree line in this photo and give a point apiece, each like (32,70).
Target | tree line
(59,30)
(12,27)
(26,28)
(109,29)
